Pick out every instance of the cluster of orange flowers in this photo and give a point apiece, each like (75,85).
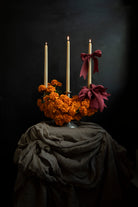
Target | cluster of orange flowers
(61,108)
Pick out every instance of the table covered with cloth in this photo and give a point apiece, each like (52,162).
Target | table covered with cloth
(65,167)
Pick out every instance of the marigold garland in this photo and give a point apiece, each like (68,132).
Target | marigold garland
(60,107)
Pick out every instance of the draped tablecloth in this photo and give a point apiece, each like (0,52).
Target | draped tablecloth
(65,167)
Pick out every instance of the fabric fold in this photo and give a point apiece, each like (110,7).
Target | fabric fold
(85,161)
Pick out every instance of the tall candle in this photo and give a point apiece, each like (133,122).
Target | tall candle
(90,64)
(68,67)
(46,65)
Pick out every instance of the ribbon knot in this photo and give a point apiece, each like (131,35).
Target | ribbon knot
(96,94)
(86,58)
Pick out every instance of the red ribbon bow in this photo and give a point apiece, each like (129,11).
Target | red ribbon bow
(86,58)
(96,94)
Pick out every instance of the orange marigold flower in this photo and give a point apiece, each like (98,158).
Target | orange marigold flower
(75,98)
(50,106)
(53,96)
(83,111)
(86,103)
(76,104)
(67,118)
(78,116)
(91,111)
(64,108)
(54,110)
(50,89)
(46,98)
(41,88)
(47,113)
(52,116)
(59,120)
(55,83)
(58,112)
(72,111)
(59,103)
(40,104)
(66,99)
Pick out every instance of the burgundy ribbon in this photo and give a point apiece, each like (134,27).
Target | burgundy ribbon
(96,94)
(86,58)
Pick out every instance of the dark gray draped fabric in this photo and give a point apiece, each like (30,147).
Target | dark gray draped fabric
(61,166)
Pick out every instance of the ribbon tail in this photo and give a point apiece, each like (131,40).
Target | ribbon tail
(84,69)
(100,102)
(95,65)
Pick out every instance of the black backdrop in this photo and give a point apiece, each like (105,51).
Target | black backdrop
(27,25)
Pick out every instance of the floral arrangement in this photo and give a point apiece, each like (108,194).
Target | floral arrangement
(62,109)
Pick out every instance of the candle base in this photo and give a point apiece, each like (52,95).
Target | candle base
(71,125)
(68,93)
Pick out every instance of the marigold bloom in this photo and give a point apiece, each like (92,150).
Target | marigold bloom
(50,89)
(55,83)
(51,106)
(58,112)
(78,116)
(66,99)
(59,120)
(40,104)
(86,103)
(52,115)
(75,98)
(72,111)
(46,98)
(91,111)
(47,114)
(64,108)
(67,118)
(41,88)
(76,104)
(53,96)
(83,111)
(59,103)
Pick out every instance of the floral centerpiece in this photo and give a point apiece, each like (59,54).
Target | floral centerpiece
(60,106)
(62,109)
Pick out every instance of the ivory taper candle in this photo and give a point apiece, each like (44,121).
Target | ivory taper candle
(68,67)
(90,64)
(46,65)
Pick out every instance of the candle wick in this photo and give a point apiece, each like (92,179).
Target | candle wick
(46,43)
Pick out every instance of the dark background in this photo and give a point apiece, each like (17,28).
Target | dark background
(26,26)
